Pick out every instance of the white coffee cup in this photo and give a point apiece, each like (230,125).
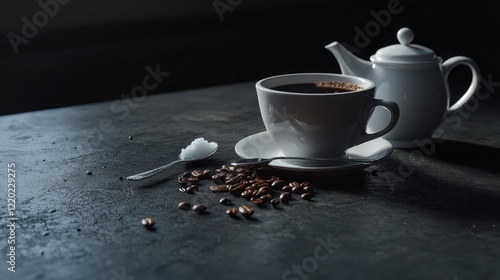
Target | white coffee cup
(319,125)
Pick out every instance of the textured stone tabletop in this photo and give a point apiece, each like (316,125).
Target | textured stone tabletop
(429,213)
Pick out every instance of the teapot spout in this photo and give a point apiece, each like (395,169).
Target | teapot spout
(348,62)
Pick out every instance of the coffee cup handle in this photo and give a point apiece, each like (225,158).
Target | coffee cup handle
(389,105)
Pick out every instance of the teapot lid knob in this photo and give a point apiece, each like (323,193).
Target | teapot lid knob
(405,36)
(405,52)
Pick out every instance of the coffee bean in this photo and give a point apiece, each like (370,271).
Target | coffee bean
(148,222)
(234,180)
(285,197)
(223,168)
(207,174)
(88,172)
(191,189)
(246,210)
(237,189)
(257,201)
(241,170)
(247,194)
(186,175)
(182,181)
(232,212)
(225,201)
(287,188)
(264,190)
(267,197)
(182,189)
(294,184)
(184,205)
(219,178)
(275,202)
(308,189)
(304,184)
(219,188)
(194,180)
(261,184)
(199,208)
(197,173)
(278,184)
(306,196)
(297,189)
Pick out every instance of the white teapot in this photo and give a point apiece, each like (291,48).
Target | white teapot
(413,77)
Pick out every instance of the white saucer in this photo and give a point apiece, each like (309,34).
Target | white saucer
(261,145)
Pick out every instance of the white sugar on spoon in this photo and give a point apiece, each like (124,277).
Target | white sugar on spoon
(199,149)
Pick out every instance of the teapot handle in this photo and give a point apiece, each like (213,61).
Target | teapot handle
(451,63)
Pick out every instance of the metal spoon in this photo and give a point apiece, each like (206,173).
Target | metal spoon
(259,162)
(157,170)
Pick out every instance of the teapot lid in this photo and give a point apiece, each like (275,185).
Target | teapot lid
(405,52)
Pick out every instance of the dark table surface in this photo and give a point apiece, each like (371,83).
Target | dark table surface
(425,213)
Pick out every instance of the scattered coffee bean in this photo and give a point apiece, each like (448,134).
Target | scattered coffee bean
(182,181)
(217,177)
(219,188)
(232,212)
(88,172)
(308,189)
(184,205)
(306,196)
(264,190)
(130,137)
(148,222)
(257,201)
(225,201)
(199,208)
(247,194)
(237,189)
(275,202)
(197,173)
(207,174)
(193,180)
(278,184)
(121,178)
(297,190)
(244,182)
(267,197)
(285,197)
(246,210)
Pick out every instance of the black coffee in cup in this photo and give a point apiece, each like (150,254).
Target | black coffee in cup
(319,87)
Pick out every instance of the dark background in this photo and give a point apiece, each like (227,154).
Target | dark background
(94,51)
